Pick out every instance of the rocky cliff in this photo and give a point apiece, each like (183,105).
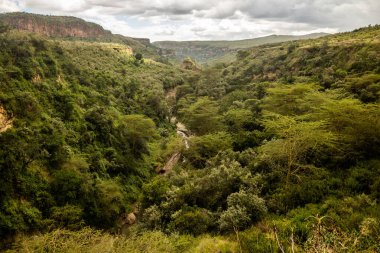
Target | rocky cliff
(64,27)
(54,26)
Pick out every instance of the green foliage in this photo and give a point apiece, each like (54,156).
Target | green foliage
(68,216)
(202,117)
(18,216)
(194,221)
(283,143)
(83,120)
(207,146)
(243,209)
(255,241)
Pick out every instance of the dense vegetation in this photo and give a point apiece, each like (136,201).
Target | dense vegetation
(287,139)
(284,151)
(87,118)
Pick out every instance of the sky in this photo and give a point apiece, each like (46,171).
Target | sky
(210,19)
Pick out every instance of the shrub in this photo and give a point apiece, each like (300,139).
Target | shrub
(243,210)
(68,216)
(194,221)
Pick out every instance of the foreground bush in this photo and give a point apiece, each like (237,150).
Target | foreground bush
(89,240)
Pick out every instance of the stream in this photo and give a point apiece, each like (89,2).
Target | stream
(175,157)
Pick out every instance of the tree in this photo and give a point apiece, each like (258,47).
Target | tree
(138,56)
(202,117)
(138,59)
(357,124)
(297,99)
(294,141)
(205,147)
(136,130)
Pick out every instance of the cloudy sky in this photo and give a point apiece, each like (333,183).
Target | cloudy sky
(210,19)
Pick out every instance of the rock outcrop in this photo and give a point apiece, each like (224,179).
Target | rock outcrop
(5,120)
(54,26)
(72,28)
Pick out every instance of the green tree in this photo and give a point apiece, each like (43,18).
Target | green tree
(244,208)
(294,141)
(204,147)
(202,117)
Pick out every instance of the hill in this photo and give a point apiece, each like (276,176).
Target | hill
(72,28)
(213,51)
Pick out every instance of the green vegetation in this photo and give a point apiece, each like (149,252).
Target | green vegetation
(283,156)
(285,152)
(86,124)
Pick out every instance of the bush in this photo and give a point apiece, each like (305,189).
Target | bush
(68,216)
(243,210)
(189,220)
(18,216)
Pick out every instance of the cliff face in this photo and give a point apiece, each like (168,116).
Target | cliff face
(54,26)
(63,27)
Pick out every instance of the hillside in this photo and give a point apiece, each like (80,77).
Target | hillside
(80,131)
(283,149)
(213,51)
(276,151)
(72,28)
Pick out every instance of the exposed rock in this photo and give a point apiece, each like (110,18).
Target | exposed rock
(54,26)
(174,158)
(36,79)
(5,120)
(72,28)
(126,220)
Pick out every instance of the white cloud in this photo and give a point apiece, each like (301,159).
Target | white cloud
(210,19)
(9,6)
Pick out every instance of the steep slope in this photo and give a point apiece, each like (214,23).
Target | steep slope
(72,28)
(54,26)
(86,120)
(211,51)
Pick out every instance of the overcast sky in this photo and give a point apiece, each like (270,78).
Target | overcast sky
(210,19)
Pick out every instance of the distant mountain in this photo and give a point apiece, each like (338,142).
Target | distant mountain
(209,51)
(72,28)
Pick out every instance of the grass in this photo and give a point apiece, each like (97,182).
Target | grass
(89,240)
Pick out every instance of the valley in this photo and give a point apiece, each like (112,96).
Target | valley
(114,144)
